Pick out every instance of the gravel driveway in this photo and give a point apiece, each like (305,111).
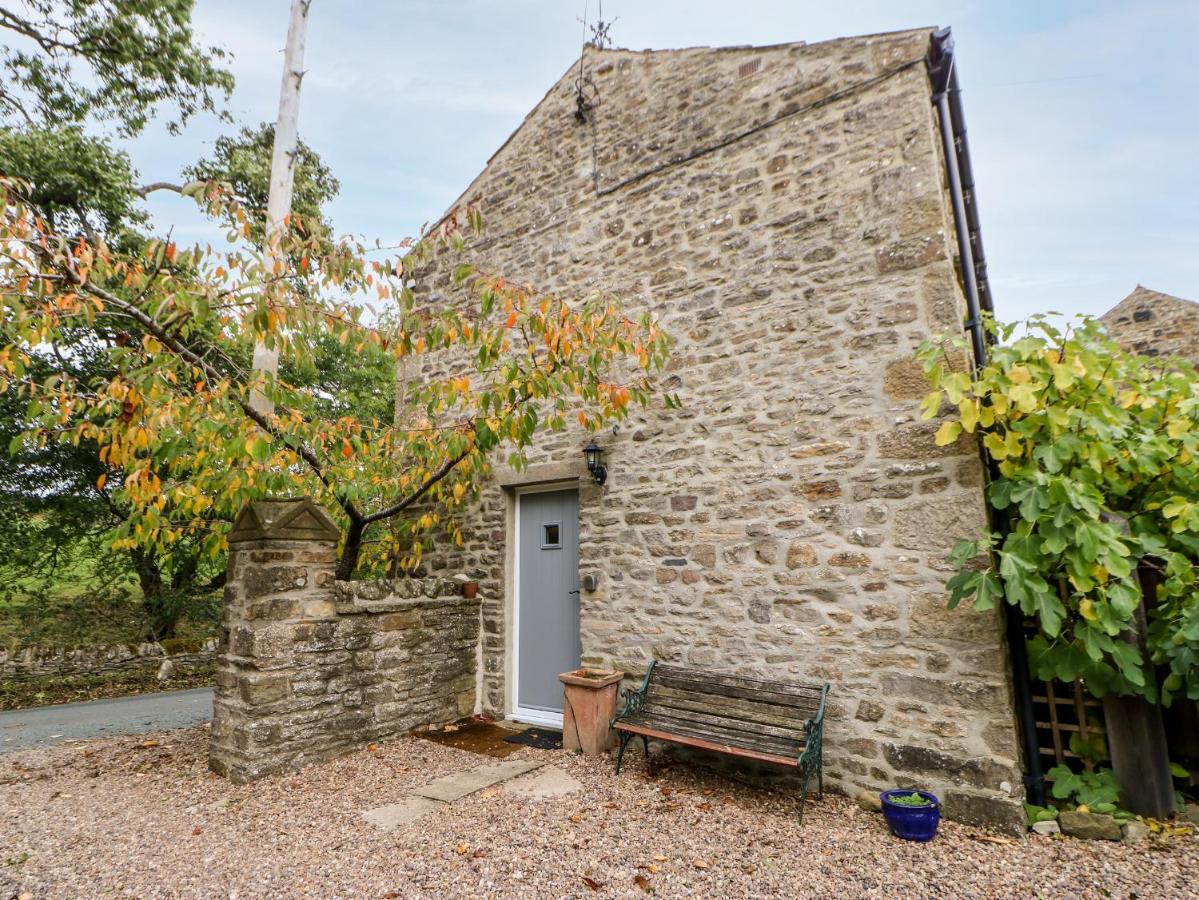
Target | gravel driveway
(142,816)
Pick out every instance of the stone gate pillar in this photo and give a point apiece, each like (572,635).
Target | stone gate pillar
(278,590)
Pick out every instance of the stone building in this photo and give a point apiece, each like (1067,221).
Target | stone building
(1155,324)
(785,211)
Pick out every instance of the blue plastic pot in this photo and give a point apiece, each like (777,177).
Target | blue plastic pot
(912,823)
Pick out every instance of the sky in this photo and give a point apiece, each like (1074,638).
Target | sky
(1083,116)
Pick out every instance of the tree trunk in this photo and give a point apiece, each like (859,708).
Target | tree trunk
(283,157)
(162,614)
(350,551)
(1136,736)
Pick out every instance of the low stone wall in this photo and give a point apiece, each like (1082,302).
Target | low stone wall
(28,663)
(311,668)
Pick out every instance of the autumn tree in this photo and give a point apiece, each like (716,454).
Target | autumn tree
(83,187)
(72,74)
(175,414)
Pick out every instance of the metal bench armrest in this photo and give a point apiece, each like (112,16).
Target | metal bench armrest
(633,701)
(813,747)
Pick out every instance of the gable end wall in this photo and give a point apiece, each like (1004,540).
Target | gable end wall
(792,519)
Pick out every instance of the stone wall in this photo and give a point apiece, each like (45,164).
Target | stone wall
(782,211)
(26,663)
(311,668)
(1155,324)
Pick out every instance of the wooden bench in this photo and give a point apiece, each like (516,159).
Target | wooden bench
(773,721)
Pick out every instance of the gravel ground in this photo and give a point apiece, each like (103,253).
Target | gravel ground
(143,817)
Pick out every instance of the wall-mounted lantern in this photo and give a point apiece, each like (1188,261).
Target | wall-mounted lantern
(592,453)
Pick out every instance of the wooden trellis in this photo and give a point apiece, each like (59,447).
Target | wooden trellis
(1062,710)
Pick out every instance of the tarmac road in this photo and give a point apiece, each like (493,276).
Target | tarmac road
(22,728)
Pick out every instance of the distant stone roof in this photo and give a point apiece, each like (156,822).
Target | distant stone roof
(1155,324)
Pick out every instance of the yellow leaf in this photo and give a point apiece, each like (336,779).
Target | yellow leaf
(1019,375)
(995,446)
(1014,447)
(969,410)
(1063,375)
(930,405)
(1024,397)
(1087,609)
(948,433)
(955,386)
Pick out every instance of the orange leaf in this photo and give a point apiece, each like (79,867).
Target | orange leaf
(101,481)
(347,450)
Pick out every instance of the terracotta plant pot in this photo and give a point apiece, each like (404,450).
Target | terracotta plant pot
(589,703)
(470,589)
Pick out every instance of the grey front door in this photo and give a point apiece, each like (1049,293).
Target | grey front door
(548,596)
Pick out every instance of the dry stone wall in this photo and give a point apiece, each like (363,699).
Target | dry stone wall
(782,211)
(311,668)
(26,663)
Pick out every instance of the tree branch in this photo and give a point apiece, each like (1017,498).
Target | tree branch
(442,471)
(147,189)
(184,352)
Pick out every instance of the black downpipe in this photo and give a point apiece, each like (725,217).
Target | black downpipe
(947,97)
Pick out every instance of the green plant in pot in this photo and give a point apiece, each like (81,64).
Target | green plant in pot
(911,799)
(911,814)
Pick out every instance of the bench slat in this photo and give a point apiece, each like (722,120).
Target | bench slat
(803,700)
(733,707)
(717,730)
(708,744)
(733,726)
(707,678)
